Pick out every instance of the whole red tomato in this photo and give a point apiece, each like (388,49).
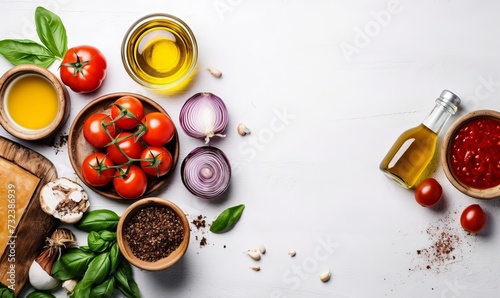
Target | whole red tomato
(429,192)
(130,182)
(159,129)
(94,131)
(128,146)
(96,171)
(473,219)
(156,161)
(130,110)
(83,69)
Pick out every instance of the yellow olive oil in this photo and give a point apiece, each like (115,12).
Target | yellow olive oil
(31,101)
(161,53)
(409,156)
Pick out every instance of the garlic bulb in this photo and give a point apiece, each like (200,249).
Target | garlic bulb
(41,268)
(65,200)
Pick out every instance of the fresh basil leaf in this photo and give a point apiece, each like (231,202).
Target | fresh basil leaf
(105,289)
(227,219)
(82,289)
(125,281)
(6,292)
(98,220)
(72,264)
(23,51)
(108,236)
(96,243)
(39,294)
(98,269)
(51,31)
(115,256)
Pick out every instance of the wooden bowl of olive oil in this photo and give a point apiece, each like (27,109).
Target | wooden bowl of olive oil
(34,103)
(160,52)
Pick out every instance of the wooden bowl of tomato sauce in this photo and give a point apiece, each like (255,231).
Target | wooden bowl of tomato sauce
(470,154)
(79,148)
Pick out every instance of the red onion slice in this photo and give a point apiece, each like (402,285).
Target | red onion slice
(204,115)
(206,172)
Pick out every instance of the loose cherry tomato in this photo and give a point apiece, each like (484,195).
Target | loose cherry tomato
(159,129)
(130,110)
(156,161)
(429,192)
(128,144)
(130,182)
(473,219)
(83,69)
(96,171)
(94,131)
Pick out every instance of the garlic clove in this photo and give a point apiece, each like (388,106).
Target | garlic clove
(215,72)
(254,254)
(292,253)
(40,279)
(243,130)
(262,249)
(255,268)
(69,285)
(64,199)
(324,277)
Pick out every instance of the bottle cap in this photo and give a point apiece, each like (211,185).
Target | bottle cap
(450,100)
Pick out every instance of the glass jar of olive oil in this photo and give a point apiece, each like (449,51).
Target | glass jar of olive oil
(159,51)
(414,149)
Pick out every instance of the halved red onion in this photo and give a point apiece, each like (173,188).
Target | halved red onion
(206,172)
(204,115)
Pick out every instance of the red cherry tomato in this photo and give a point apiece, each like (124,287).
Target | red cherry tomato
(96,171)
(130,183)
(473,219)
(130,110)
(429,192)
(94,131)
(83,69)
(156,161)
(159,129)
(127,144)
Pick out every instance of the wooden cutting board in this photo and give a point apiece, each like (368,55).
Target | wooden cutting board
(23,225)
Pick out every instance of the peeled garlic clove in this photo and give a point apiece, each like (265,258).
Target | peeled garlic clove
(255,268)
(215,72)
(324,277)
(292,253)
(262,249)
(254,254)
(40,279)
(243,130)
(64,199)
(69,285)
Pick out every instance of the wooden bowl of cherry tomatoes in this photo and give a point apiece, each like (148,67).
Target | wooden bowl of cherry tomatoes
(123,146)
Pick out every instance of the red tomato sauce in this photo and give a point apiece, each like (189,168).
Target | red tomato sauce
(475,153)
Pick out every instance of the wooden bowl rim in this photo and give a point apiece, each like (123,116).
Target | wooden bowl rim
(166,262)
(99,101)
(62,96)
(486,194)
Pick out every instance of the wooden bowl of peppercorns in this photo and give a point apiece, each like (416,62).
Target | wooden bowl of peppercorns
(153,234)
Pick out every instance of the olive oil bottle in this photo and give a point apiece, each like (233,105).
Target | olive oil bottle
(413,150)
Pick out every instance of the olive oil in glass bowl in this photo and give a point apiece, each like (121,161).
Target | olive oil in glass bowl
(160,52)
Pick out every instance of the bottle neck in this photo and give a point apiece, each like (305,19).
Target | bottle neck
(438,117)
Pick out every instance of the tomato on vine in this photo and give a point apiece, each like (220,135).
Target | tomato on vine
(94,130)
(130,182)
(83,69)
(127,111)
(156,161)
(159,129)
(126,144)
(96,169)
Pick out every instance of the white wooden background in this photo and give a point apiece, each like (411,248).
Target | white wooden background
(326,87)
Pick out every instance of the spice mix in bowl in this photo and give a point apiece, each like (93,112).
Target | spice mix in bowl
(153,234)
(471,154)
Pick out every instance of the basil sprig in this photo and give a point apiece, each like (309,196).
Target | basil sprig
(52,34)
(99,267)
(227,219)
(6,292)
